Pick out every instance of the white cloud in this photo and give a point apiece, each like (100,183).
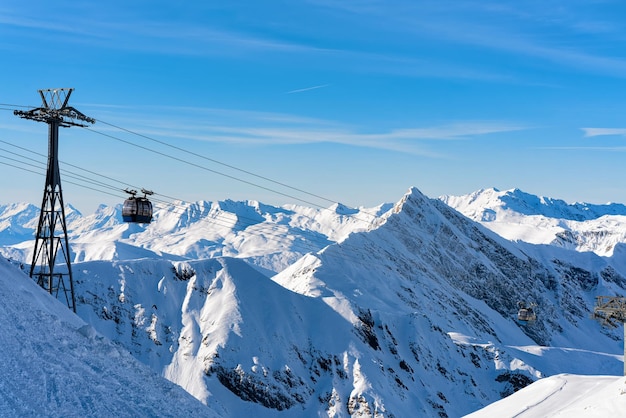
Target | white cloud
(591,132)
(271,129)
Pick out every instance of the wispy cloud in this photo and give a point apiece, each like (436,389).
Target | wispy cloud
(268,129)
(591,132)
(308,89)
(39,24)
(154,36)
(573,35)
(620,149)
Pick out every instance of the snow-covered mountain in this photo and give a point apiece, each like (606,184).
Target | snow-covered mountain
(520,216)
(412,313)
(268,237)
(18,222)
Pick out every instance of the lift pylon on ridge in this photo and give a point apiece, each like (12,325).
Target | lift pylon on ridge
(51,237)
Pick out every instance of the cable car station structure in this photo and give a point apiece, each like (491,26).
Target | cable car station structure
(51,236)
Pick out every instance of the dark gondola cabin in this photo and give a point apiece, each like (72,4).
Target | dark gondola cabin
(137,209)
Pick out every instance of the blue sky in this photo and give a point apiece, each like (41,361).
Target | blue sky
(342,101)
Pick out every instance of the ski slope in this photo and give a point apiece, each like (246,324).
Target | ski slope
(563,395)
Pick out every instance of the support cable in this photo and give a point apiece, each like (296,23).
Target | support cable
(175,208)
(308,202)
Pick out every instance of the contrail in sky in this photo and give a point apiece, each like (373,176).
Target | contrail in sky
(308,88)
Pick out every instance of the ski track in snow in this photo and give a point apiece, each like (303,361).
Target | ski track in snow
(562,382)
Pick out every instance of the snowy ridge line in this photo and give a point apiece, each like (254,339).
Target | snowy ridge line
(312,243)
(269,231)
(273,224)
(179,208)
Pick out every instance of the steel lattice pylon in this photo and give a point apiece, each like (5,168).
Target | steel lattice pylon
(51,237)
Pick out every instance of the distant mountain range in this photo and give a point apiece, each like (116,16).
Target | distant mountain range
(486,201)
(405,309)
(269,237)
(520,216)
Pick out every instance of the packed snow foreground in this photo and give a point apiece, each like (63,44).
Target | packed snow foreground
(56,365)
(399,310)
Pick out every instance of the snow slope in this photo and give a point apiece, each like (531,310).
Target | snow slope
(54,364)
(563,395)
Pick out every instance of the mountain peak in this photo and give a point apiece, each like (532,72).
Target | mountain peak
(412,196)
(341,209)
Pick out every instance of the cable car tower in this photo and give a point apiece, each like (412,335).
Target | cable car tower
(52,230)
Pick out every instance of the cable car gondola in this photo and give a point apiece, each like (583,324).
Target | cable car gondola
(137,209)
(526,312)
